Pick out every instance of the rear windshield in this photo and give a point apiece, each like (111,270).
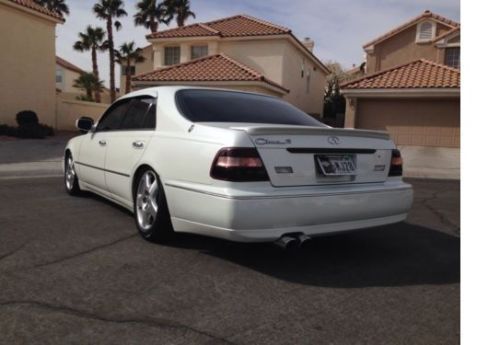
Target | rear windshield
(226,106)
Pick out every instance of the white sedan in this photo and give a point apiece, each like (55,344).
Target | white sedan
(235,165)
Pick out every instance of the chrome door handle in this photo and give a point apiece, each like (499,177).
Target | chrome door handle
(102,142)
(138,144)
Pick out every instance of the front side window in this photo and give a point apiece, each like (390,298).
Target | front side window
(113,117)
(452,57)
(172,55)
(198,51)
(140,115)
(226,106)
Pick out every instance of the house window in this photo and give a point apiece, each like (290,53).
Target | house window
(425,31)
(59,76)
(452,57)
(172,55)
(198,51)
(124,70)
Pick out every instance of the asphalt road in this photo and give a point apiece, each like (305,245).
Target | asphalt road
(74,271)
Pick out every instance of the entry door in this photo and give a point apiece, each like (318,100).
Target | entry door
(93,151)
(126,146)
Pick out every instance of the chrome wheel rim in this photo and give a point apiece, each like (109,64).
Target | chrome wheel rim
(70,173)
(146,201)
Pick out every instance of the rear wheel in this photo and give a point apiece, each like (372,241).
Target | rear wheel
(70,178)
(151,212)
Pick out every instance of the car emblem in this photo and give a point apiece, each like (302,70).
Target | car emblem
(334,140)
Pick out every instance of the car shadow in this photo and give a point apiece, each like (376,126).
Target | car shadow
(395,255)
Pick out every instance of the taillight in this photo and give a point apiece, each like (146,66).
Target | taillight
(238,164)
(396,164)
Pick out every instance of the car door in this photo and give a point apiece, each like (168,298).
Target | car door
(91,159)
(126,146)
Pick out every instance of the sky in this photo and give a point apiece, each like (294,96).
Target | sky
(338,27)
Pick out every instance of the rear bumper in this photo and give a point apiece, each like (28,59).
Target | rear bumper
(315,212)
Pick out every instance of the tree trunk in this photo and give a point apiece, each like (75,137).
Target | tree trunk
(127,77)
(180,21)
(95,71)
(112,91)
(89,94)
(154,27)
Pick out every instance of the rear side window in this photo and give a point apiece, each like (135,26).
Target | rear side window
(140,115)
(112,119)
(199,105)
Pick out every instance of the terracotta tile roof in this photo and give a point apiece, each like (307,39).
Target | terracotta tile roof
(426,14)
(414,75)
(66,64)
(217,67)
(38,8)
(447,33)
(235,26)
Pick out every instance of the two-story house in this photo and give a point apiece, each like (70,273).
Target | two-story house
(412,90)
(27,60)
(66,75)
(238,52)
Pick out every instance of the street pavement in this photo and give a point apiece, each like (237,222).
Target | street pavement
(73,270)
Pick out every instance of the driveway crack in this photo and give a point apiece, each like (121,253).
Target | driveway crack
(442,217)
(12,252)
(148,322)
(85,252)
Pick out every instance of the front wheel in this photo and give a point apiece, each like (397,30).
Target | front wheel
(151,212)
(70,178)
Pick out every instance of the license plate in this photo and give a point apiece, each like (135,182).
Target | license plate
(337,165)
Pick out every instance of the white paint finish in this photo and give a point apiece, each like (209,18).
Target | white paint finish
(182,154)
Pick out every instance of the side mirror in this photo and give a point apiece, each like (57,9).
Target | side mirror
(84,124)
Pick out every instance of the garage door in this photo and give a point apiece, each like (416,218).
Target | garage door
(413,122)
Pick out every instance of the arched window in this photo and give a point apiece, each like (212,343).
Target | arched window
(425,31)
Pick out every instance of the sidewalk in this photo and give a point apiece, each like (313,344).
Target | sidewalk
(32,157)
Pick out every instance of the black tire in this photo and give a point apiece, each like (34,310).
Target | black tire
(72,186)
(158,228)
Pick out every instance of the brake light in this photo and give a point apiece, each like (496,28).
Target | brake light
(396,164)
(238,164)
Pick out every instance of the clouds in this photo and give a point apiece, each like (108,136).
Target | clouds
(339,27)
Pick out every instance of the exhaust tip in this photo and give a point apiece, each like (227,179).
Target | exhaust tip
(287,242)
(304,240)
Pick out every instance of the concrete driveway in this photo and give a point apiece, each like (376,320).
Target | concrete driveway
(74,271)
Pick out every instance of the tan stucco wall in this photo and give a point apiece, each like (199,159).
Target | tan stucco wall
(68,111)
(27,65)
(69,78)
(309,101)
(264,56)
(402,48)
(416,122)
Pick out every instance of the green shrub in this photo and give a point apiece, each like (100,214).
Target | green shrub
(26,117)
(8,131)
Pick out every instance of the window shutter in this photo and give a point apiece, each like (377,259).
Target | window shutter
(425,31)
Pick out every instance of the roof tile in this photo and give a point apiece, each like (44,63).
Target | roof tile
(414,75)
(35,7)
(236,26)
(426,14)
(217,67)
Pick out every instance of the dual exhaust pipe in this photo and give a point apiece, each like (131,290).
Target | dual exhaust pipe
(292,241)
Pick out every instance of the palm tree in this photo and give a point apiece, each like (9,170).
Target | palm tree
(92,39)
(128,54)
(57,6)
(88,82)
(181,10)
(151,13)
(108,10)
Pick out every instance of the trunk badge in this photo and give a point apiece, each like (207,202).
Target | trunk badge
(334,140)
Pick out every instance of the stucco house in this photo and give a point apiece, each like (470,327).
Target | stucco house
(412,90)
(27,60)
(66,74)
(238,52)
